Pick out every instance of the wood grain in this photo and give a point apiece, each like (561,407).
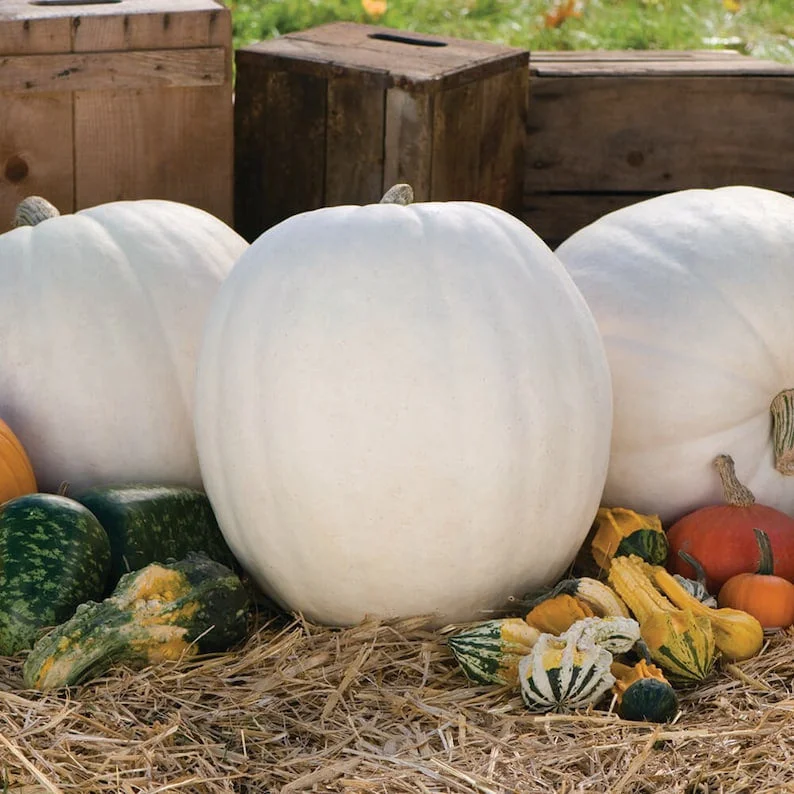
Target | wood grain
(615,133)
(608,129)
(408,153)
(145,144)
(344,48)
(143,92)
(280,149)
(354,140)
(36,148)
(117,70)
(503,139)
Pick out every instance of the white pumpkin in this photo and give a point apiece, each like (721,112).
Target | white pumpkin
(694,295)
(101,314)
(402,410)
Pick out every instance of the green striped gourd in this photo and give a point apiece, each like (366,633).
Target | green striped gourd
(489,652)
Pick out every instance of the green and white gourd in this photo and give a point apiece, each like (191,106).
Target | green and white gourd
(489,652)
(573,670)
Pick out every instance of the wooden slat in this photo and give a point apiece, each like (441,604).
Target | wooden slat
(114,70)
(617,56)
(457,114)
(35,151)
(345,48)
(674,63)
(408,141)
(42,9)
(156,151)
(279,146)
(502,132)
(711,67)
(640,134)
(354,141)
(556,216)
(25,36)
(176,25)
(27,28)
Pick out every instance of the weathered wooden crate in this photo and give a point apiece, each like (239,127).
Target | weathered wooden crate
(116,99)
(338,113)
(607,129)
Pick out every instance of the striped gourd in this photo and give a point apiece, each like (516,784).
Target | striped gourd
(573,670)
(615,634)
(489,652)
(559,675)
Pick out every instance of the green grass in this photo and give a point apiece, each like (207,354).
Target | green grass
(762,28)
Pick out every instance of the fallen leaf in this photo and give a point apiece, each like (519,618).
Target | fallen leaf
(562,11)
(374,8)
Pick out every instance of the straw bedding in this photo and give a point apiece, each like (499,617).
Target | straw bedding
(381,707)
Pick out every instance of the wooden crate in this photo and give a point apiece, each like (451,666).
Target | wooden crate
(339,113)
(607,129)
(116,100)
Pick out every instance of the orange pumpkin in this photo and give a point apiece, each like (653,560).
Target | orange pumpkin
(721,536)
(768,598)
(16,473)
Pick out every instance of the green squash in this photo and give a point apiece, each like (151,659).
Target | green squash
(54,555)
(154,523)
(161,612)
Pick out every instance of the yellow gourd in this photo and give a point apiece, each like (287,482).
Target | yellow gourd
(678,640)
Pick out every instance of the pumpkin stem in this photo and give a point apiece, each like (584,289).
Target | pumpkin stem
(736,494)
(766,562)
(782,410)
(398,194)
(34,210)
(700,573)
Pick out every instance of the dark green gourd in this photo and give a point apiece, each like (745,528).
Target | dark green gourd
(54,555)
(154,523)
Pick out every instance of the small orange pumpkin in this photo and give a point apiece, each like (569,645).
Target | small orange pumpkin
(768,598)
(16,472)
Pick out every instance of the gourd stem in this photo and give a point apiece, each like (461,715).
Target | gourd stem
(398,194)
(736,494)
(782,410)
(33,210)
(766,562)
(700,573)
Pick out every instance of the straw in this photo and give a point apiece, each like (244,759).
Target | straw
(381,707)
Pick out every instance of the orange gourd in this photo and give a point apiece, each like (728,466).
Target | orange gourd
(768,598)
(16,473)
(721,536)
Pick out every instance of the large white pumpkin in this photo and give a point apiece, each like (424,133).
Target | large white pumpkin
(402,410)
(101,314)
(694,295)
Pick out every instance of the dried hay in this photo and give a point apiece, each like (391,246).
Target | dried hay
(381,707)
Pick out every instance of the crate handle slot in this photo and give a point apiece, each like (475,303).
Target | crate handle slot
(406,39)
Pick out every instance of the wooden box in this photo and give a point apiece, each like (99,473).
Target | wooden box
(607,129)
(338,113)
(116,99)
